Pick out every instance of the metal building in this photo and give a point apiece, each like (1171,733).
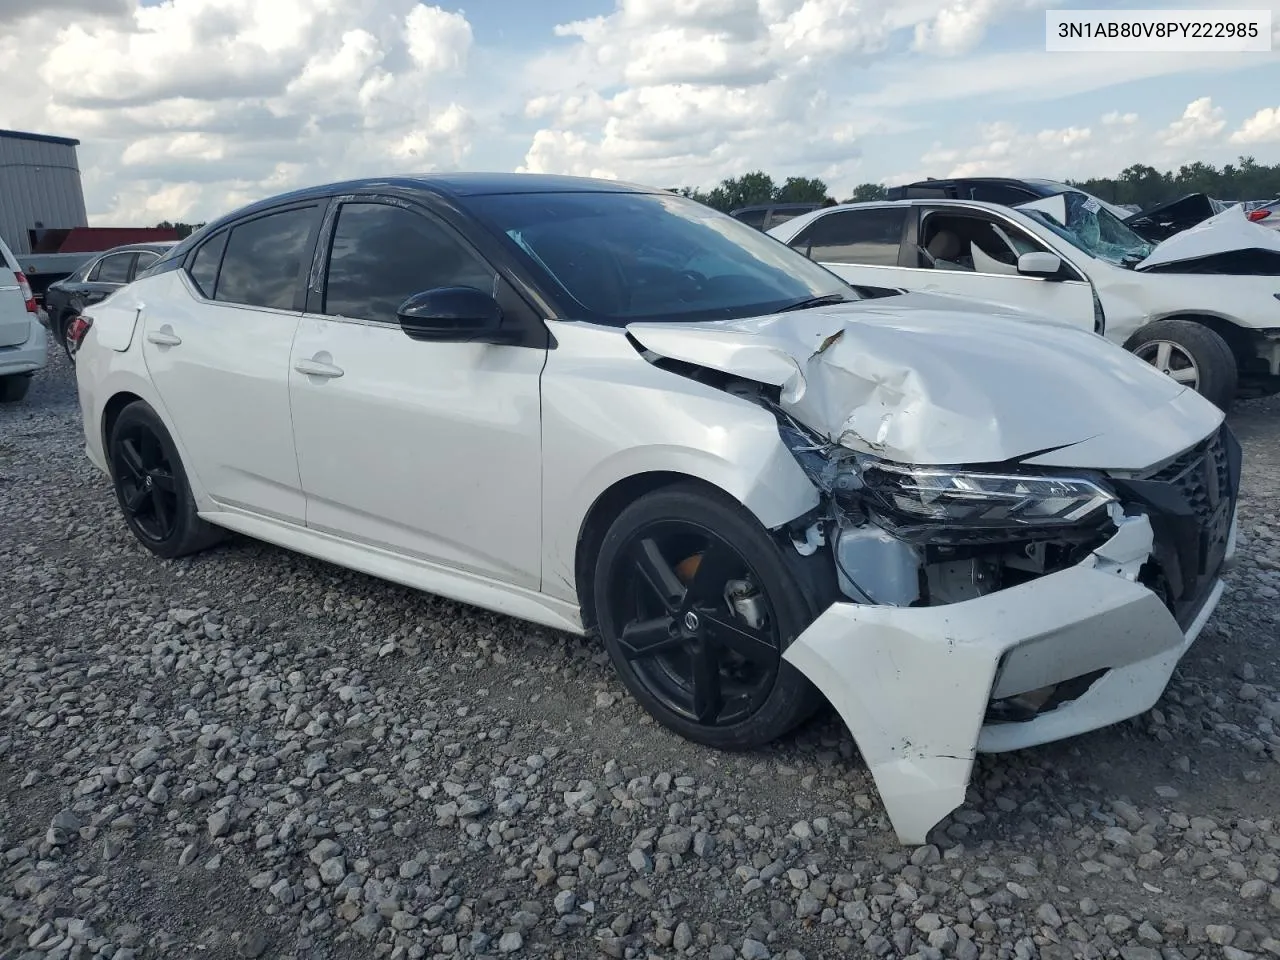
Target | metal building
(39,186)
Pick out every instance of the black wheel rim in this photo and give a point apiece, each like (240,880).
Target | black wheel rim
(145,479)
(693,624)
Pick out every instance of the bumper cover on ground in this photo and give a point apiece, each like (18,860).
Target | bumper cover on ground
(913,683)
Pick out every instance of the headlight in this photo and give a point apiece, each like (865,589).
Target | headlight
(982,500)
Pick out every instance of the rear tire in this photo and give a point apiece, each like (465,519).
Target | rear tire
(14,388)
(1184,348)
(64,328)
(694,660)
(151,486)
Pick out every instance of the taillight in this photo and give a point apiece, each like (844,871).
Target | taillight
(1256,215)
(76,331)
(27,295)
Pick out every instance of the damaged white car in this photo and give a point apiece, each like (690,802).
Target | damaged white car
(1203,306)
(607,409)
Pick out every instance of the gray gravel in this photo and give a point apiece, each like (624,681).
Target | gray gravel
(250,753)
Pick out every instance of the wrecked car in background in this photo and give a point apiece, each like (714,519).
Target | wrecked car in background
(969,532)
(1202,306)
(1158,222)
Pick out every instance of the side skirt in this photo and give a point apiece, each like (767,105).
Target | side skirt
(421,575)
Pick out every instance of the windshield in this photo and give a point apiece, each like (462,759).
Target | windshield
(1085,223)
(625,257)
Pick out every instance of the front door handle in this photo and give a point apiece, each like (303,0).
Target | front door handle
(318,366)
(164,337)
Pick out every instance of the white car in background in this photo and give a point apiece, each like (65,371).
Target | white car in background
(1203,306)
(23,344)
(611,410)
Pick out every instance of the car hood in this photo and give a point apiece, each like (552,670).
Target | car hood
(1227,232)
(928,379)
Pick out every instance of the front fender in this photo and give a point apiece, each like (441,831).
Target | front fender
(608,415)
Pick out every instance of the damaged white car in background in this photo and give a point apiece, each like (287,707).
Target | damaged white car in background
(1203,306)
(612,410)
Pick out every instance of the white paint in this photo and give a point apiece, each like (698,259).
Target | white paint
(913,683)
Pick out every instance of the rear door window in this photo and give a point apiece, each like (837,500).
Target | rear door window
(868,237)
(113,269)
(265,258)
(204,265)
(145,259)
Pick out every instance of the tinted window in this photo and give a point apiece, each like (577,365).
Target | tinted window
(114,269)
(868,237)
(263,262)
(381,255)
(754,218)
(204,266)
(145,259)
(624,256)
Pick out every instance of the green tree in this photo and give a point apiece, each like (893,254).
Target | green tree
(801,190)
(864,192)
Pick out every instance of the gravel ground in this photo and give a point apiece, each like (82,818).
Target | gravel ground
(250,753)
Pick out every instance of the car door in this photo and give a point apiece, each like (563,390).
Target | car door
(432,450)
(107,276)
(217,337)
(984,265)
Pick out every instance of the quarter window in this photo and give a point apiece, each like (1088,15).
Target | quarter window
(381,255)
(204,266)
(262,266)
(113,269)
(869,237)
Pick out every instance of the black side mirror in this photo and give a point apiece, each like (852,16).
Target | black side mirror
(454,315)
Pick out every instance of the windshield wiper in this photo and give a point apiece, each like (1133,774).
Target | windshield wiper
(823,301)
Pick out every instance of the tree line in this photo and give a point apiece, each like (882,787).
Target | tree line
(1146,186)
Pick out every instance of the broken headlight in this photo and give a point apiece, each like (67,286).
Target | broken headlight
(980,500)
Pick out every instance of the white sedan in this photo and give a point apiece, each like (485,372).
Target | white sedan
(1203,306)
(608,409)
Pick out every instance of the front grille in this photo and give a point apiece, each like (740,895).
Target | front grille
(1190,502)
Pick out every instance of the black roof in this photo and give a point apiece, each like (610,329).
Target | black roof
(38,138)
(449,185)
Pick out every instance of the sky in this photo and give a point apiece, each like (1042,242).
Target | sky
(186,109)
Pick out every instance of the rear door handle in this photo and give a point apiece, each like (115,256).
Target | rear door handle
(316,367)
(164,337)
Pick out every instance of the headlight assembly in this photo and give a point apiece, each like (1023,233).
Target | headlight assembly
(987,501)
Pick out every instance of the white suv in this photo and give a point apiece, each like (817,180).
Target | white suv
(22,339)
(1203,306)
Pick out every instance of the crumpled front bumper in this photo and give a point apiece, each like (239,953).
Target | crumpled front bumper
(913,684)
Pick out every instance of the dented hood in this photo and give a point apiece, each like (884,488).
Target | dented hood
(928,379)
(1227,232)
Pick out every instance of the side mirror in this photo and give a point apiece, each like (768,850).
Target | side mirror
(1046,266)
(453,315)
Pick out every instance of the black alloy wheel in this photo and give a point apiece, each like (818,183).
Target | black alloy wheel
(696,604)
(687,643)
(148,490)
(151,485)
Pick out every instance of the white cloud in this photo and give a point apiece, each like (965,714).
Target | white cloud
(1200,123)
(200,104)
(960,25)
(1262,127)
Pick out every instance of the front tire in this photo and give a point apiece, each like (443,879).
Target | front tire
(1192,354)
(695,604)
(151,486)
